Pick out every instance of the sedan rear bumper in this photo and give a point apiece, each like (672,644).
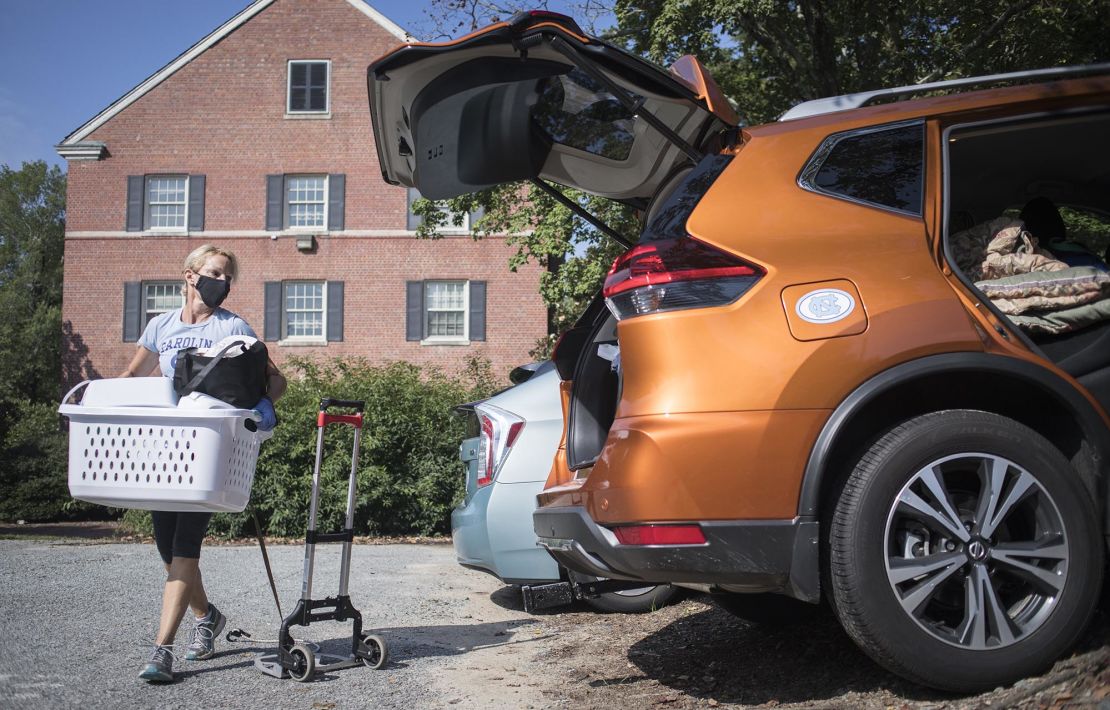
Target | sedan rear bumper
(741,555)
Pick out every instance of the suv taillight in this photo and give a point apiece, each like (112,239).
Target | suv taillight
(499,431)
(675,274)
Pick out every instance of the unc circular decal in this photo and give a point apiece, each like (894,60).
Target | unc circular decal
(827,305)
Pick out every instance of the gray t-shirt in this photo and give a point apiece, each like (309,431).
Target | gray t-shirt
(167,333)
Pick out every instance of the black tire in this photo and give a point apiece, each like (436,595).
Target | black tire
(304,663)
(374,646)
(977,620)
(770,609)
(636,601)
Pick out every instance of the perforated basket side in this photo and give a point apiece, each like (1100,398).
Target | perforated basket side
(242,461)
(128,463)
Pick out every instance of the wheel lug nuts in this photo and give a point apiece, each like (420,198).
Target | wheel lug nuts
(950,546)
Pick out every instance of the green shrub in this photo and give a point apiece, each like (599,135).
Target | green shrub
(409,475)
(33,461)
(137,522)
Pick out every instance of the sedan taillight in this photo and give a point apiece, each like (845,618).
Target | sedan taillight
(499,431)
(675,274)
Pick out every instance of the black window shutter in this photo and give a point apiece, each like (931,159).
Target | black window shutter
(196,203)
(132,311)
(337,190)
(271,327)
(477,310)
(136,187)
(275,202)
(335,311)
(414,310)
(413,220)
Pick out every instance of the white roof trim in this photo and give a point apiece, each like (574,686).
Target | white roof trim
(389,25)
(193,52)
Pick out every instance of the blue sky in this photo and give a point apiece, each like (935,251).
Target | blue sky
(65,60)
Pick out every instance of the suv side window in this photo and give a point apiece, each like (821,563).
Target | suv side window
(882,167)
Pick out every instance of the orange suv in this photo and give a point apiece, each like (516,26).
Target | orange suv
(849,356)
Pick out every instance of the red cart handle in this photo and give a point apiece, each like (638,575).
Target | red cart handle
(354,420)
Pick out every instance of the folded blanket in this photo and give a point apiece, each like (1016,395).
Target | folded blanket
(1065,321)
(1001,247)
(1047,290)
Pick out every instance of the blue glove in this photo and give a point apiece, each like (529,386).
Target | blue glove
(269,417)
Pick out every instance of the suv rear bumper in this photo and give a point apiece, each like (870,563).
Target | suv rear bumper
(741,555)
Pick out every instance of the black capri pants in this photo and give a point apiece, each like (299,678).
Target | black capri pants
(179,534)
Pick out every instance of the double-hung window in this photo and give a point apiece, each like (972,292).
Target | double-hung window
(161,297)
(163,203)
(304,307)
(306,201)
(167,201)
(308,87)
(445,310)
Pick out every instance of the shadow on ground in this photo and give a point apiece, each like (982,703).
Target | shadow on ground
(711,654)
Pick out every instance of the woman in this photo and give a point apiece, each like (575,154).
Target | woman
(209,273)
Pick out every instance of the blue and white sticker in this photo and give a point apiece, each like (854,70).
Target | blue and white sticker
(826,305)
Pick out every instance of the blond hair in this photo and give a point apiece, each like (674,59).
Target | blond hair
(199,257)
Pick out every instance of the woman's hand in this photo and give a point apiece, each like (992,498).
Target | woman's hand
(269,417)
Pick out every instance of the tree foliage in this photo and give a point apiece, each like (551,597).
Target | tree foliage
(769,55)
(32,445)
(32,227)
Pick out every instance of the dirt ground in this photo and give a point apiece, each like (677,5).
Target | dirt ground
(696,655)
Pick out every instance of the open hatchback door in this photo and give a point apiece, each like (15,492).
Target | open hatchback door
(534,97)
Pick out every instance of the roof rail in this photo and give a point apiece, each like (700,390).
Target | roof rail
(847,102)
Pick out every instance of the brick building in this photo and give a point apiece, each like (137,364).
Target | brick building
(258,138)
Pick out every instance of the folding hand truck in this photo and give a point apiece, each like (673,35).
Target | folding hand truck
(298,660)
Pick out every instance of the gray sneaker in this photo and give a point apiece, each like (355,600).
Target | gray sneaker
(204,635)
(160,667)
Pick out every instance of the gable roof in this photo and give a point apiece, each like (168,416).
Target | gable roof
(196,50)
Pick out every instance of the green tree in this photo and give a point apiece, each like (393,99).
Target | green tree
(32,226)
(32,445)
(769,56)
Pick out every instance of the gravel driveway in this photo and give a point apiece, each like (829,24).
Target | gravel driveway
(79,618)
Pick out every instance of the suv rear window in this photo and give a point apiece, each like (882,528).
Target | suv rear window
(882,167)
(577,111)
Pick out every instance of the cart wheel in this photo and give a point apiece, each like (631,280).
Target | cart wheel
(304,663)
(374,646)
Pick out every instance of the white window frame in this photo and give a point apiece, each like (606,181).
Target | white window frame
(447,339)
(321,339)
(289,111)
(147,204)
(285,203)
(449,227)
(149,314)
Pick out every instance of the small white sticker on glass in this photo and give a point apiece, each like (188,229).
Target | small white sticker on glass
(827,305)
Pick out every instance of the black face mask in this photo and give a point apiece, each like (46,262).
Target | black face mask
(212,291)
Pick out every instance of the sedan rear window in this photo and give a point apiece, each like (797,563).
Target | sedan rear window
(575,110)
(881,167)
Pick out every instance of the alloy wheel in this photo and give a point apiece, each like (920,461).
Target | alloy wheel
(976,551)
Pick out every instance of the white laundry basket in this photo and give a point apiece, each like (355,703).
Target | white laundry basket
(134,444)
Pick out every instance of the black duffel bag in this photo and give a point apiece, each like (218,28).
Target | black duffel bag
(240,380)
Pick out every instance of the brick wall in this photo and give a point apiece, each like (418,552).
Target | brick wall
(223,116)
